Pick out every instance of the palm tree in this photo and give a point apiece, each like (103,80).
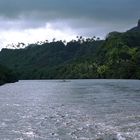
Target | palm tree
(53,39)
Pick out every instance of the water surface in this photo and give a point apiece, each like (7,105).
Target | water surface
(70,110)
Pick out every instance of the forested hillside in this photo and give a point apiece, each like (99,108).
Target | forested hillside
(118,56)
(50,60)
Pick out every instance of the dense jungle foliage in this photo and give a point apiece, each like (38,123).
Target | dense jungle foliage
(6,75)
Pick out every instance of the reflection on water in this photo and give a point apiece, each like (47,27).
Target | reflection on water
(77,109)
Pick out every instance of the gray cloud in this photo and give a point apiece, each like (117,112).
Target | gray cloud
(100,9)
(82,15)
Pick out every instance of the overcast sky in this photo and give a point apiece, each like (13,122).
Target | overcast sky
(34,20)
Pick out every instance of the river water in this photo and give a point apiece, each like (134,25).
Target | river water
(70,110)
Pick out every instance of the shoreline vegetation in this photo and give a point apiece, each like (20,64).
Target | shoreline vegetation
(116,57)
(7,75)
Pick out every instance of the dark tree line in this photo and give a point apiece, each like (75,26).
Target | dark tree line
(6,75)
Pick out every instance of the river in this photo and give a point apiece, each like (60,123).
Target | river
(70,110)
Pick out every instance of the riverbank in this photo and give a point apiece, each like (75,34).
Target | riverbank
(7,75)
(3,83)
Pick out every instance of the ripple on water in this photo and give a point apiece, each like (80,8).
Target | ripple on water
(79,110)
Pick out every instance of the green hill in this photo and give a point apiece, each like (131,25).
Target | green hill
(118,56)
(48,60)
